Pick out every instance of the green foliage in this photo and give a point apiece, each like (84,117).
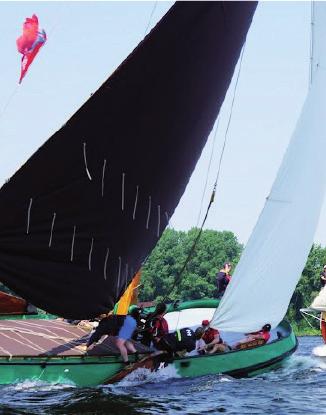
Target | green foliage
(198,279)
(308,286)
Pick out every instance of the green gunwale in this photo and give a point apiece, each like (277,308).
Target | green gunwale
(94,370)
(38,316)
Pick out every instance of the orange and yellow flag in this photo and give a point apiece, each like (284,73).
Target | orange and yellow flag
(130,296)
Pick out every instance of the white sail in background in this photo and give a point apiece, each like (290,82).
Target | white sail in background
(319,303)
(276,253)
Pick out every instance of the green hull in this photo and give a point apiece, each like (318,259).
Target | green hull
(241,363)
(95,370)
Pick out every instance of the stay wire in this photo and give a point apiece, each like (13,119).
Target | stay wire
(230,117)
(208,171)
(195,242)
(150,17)
(11,96)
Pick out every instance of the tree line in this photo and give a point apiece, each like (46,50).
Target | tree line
(198,280)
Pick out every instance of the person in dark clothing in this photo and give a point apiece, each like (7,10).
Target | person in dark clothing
(323,277)
(111,326)
(178,341)
(155,326)
(107,326)
(222,279)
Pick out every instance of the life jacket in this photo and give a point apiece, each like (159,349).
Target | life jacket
(265,335)
(158,327)
(184,339)
(210,334)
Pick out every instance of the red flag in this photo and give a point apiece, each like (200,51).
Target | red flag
(29,43)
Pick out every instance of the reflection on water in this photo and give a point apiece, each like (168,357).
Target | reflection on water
(297,388)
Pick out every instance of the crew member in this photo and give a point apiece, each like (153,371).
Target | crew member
(222,279)
(263,334)
(212,341)
(178,341)
(323,277)
(156,326)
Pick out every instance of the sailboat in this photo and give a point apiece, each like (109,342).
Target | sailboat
(71,244)
(318,306)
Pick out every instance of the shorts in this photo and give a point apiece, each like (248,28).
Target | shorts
(127,329)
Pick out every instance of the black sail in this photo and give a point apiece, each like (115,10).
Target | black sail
(84,212)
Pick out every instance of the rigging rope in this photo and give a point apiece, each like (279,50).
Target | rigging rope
(150,17)
(194,245)
(208,170)
(11,96)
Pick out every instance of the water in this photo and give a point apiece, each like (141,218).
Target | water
(297,388)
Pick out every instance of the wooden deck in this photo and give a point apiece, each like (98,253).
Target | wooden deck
(49,338)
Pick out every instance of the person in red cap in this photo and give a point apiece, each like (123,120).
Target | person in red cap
(211,340)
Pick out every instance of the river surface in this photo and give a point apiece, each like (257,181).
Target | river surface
(297,388)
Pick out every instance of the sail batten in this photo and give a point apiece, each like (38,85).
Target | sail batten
(149,122)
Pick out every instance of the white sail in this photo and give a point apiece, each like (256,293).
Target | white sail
(273,260)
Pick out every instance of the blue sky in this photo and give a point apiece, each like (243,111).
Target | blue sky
(88,40)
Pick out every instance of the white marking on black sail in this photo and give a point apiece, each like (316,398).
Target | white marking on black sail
(72,245)
(167,218)
(123,191)
(90,255)
(105,262)
(126,272)
(29,215)
(118,279)
(85,160)
(52,226)
(149,211)
(158,219)
(103,174)
(135,205)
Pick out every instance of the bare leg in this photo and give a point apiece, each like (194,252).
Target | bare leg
(122,348)
(217,348)
(130,346)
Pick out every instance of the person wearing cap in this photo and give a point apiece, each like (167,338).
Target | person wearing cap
(122,328)
(323,277)
(210,340)
(222,279)
(263,334)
